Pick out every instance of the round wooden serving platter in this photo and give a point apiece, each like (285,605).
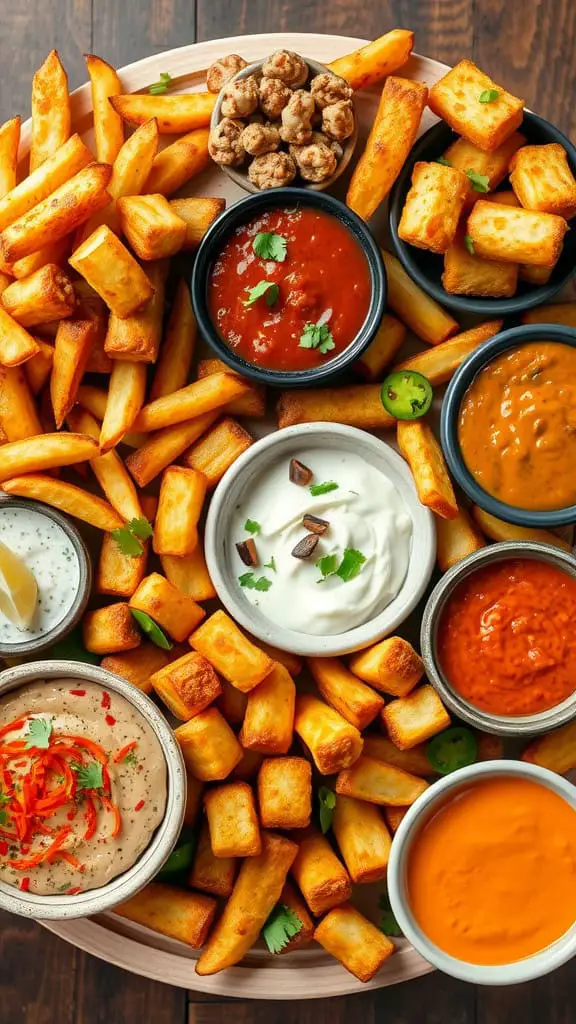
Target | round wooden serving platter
(308,973)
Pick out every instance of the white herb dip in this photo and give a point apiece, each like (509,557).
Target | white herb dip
(365,513)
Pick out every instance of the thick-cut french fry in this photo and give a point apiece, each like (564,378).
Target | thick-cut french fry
(110,629)
(392,666)
(43,182)
(108,469)
(390,140)
(376,60)
(321,877)
(268,725)
(67,497)
(394,816)
(9,142)
(333,742)
(93,399)
(424,456)
(182,915)
(214,453)
(416,309)
(362,838)
(182,494)
(72,347)
(161,448)
(187,685)
(18,415)
(515,235)
(92,307)
(433,206)
(466,273)
(211,874)
(59,214)
(151,226)
(497,529)
(379,783)
(46,295)
(119,575)
(542,179)
(457,99)
(413,719)
(358,405)
(231,653)
(5,281)
(45,452)
(198,213)
(232,820)
(174,612)
(202,396)
(557,313)
(382,350)
(175,359)
(232,703)
(494,165)
(251,403)
(50,110)
(209,747)
(138,665)
(174,114)
(136,338)
(290,898)
(112,272)
(357,943)
(177,163)
(255,894)
(54,252)
(357,703)
(413,761)
(108,126)
(16,345)
(125,398)
(285,792)
(441,361)
(455,539)
(555,751)
(190,575)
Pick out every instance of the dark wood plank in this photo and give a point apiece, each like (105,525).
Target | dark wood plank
(37,974)
(551,999)
(126,30)
(107,995)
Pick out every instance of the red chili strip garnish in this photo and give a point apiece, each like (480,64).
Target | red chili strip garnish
(90,818)
(110,720)
(3,848)
(73,891)
(106,701)
(94,748)
(32,862)
(121,754)
(77,693)
(24,884)
(72,861)
(139,805)
(113,809)
(13,726)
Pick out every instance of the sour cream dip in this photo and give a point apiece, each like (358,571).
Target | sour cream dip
(359,561)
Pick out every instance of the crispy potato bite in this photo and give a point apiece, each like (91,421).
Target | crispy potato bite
(379,783)
(45,180)
(503,233)
(356,703)
(416,309)
(16,344)
(555,751)
(424,456)
(137,666)
(321,877)
(214,875)
(209,747)
(232,821)
(72,346)
(543,180)
(161,448)
(47,294)
(136,338)
(290,661)
(67,497)
(455,539)
(126,392)
(359,946)
(290,898)
(108,469)
(358,405)
(411,720)
(189,574)
(333,742)
(465,273)
(187,685)
(176,164)
(18,415)
(108,126)
(433,206)
(475,107)
(392,666)
(363,839)
(112,271)
(251,403)
(110,629)
(371,63)
(175,358)
(187,403)
(494,166)
(285,792)
(178,913)
(497,529)
(174,114)
(231,653)
(182,493)
(268,724)
(394,817)
(214,453)
(175,612)
(382,350)
(48,451)
(232,703)
(413,761)
(198,213)
(151,226)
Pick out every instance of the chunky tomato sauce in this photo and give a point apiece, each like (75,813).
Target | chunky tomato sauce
(507,637)
(323,280)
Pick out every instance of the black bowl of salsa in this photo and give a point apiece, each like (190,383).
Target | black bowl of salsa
(288,287)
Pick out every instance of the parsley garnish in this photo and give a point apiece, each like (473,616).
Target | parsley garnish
(489,96)
(251,526)
(479,182)
(352,562)
(327,565)
(157,88)
(3,817)
(388,923)
(326,805)
(442,160)
(282,925)
(89,776)
(39,733)
(269,246)
(128,537)
(249,581)
(267,288)
(152,629)
(317,336)
(271,564)
(317,489)
(130,758)
(469,244)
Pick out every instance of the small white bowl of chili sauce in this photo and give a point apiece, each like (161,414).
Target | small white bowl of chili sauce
(289,287)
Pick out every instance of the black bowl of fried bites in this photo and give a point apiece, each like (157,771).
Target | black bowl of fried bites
(285,120)
(482,215)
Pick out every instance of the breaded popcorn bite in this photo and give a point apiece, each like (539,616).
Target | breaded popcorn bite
(287,66)
(225,145)
(328,89)
(221,71)
(240,97)
(271,170)
(260,138)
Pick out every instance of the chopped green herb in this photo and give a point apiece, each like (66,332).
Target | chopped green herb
(268,289)
(282,925)
(249,581)
(326,805)
(129,536)
(479,182)
(269,246)
(442,160)
(180,860)
(317,489)
(39,733)
(88,776)
(131,758)
(3,817)
(157,88)
(351,564)
(271,564)
(317,336)
(489,96)
(388,923)
(152,629)
(327,565)
(469,244)
(251,526)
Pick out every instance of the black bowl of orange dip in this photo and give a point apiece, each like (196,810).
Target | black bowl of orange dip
(288,287)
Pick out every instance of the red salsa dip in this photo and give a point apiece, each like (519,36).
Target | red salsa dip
(507,637)
(313,289)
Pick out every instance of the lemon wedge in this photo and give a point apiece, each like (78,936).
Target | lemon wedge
(18,589)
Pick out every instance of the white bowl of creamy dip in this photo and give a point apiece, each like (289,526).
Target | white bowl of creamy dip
(328,564)
(92,790)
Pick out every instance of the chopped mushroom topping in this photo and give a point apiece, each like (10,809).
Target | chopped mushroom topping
(223,70)
(240,97)
(316,162)
(274,96)
(224,143)
(272,170)
(338,120)
(297,118)
(286,66)
(260,138)
(328,89)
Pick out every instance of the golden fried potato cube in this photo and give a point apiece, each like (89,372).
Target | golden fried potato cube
(178,913)
(285,792)
(333,742)
(526,272)
(182,494)
(543,180)
(194,799)
(413,719)
(466,273)
(198,214)
(268,725)
(499,232)
(475,107)
(494,165)
(381,351)
(356,702)
(136,338)
(362,838)
(233,656)
(190,574)
(137,666)
(290,661)
(187,685)
(251,403)
(177,613)
(209,747)
(292,899)
(112,271)
(424,456)
(455,539)
(379,783)
(48,294)
(319,874)
(215,452)
(117,574)
(110,629)
(555,751)
(233,821)
(413,761)
(394,816)
(211,874)
(433,206)
(153,229)
(357,943)
(392,666)
(232,703)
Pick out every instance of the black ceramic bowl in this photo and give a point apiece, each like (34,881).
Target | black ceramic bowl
(426,267)
(211,246)
(465,374)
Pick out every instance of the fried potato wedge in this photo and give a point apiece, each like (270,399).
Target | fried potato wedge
(16,344)
(416,309)
(108,125)
(163,447)
(48,294)
(50,110)
(439,363)
(18,414)
(358,405)
(136,338)
(357,943)
(174,114)
(73,500)
(433,206)
(543,180)
(108,469)
(151,226)
(45,180)
(112,272)
(47,451)
(457,99)
(424,456)
(515,235)
(74,340)
(456,539)
(179,162)
(198,398)
(198,213)
(177,348)
(125,398)
(497,529)
(379,783)
(9,142)
(178,913)
(373,62)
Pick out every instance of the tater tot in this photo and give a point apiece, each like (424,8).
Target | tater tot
(362,837)
(187,685)
(359,946)
(209,747)
(356,702)
(232,820)
(268,724)
(321,877)
(285,792)
(392,666)
(333,742)
(214,875)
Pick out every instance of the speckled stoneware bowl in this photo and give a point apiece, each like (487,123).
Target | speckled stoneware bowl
(96,901)
(240,176)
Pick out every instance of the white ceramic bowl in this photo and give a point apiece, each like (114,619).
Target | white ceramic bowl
(221,555)
(421,811)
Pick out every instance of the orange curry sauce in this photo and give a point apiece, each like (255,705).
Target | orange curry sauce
(507,637)
(517,426)
(492,875)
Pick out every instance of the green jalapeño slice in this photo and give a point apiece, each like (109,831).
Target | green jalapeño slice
(406,395)
(455,748)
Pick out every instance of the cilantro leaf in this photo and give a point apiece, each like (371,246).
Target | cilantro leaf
(326,805)
(327,565)
(388,923)
(249,581)
(479,182)
(251,526)
(128,537)
(152,629)
(130,758)
(271,564)
(39,733)
(469,244)
(157,88)
(317,336)
(269,246)
(317,489)
(268,289)
(141,528)
(282,925)
(352,562)
(442,160)
(489,96)
(88,776)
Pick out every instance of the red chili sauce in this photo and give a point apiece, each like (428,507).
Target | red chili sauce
(323,279)
(507,637)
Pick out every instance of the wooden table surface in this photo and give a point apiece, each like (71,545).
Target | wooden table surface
(530,46)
